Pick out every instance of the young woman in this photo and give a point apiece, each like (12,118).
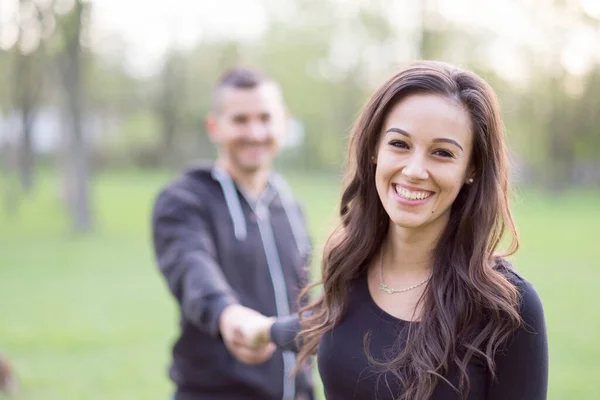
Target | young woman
(416,302)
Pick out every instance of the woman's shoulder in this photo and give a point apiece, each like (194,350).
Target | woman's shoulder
(530,304)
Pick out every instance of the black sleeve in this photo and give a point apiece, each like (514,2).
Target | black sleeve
(186,255)
(284,332)
(522,366)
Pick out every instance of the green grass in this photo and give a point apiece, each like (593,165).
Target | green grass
(89,317)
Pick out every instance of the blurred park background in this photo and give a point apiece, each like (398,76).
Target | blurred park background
(102,101)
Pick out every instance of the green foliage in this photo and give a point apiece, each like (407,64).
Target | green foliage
(329,57)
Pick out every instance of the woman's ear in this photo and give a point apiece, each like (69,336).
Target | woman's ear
(470,176)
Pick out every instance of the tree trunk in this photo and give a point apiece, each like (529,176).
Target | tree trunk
(560,144)
(425,36)
(10,193)
(78,175)
(27,92)
(168,111)
(25,100)
(26,156)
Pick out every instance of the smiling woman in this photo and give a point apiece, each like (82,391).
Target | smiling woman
(417,301)
(423,211)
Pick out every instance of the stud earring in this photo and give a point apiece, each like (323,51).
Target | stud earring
(470,180)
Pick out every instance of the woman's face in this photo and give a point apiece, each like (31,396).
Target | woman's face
(423,160)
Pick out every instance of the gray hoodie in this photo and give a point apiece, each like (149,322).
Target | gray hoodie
(216,247)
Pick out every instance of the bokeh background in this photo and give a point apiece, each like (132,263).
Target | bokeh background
(103,101)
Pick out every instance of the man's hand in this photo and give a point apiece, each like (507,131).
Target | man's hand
(257,331)
(245,333)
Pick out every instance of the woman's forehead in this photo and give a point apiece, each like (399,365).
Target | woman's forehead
(430,116)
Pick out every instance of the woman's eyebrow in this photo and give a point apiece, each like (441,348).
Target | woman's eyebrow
(436,140)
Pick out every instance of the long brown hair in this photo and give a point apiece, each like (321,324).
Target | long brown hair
(469,307)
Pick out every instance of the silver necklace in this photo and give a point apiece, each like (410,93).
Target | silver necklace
(384,288)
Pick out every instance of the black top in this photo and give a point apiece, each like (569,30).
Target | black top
(215,250)
(521,368)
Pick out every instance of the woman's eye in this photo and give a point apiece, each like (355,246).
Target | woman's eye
(399,144)
(443,153)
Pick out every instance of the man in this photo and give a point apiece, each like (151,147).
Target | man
(231,242)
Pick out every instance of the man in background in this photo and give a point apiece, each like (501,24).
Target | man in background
(231,241)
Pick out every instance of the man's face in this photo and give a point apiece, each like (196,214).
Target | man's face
(248,127)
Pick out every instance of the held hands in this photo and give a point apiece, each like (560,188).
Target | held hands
(246,334)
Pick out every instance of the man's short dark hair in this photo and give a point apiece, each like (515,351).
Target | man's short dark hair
(239,78)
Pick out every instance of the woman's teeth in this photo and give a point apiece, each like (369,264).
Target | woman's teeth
(409,195)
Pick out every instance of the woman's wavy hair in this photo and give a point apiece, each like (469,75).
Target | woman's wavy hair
(469,307)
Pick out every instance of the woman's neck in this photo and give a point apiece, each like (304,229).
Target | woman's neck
(409,252)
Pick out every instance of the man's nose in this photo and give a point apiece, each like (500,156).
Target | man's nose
(258,130)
